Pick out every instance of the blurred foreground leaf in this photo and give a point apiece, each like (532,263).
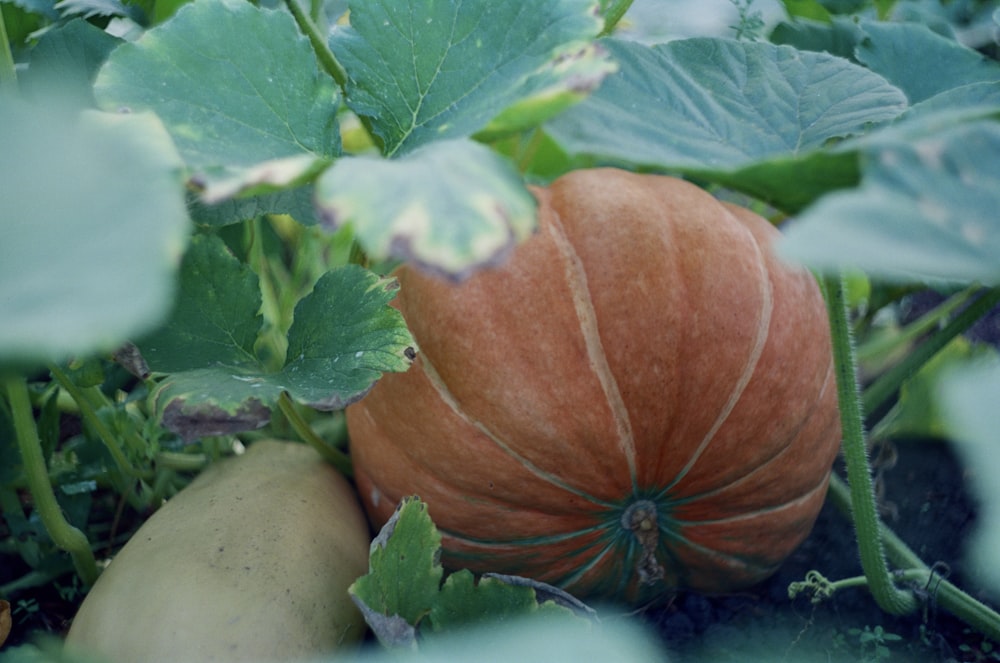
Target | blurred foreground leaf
(926,210)
(94,226)
(969,401)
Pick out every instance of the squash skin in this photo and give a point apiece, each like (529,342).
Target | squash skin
(250,562)
(644,347)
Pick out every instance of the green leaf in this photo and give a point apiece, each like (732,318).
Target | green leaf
(810,9)
(215,319)
(968,400)
(344,336)
(94,227)
(404,576)
(926,210)
(839,37)
(920,62)
(726,111)
(463,601)
(422,71)
(236,86)
(963,102)
(44,8)
(403,586)
(92,8)
(68,56)
(454,206)
(296,202)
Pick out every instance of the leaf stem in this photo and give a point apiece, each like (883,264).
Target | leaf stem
(881,347)
(334,456)
(862,496)
(8,74)
(947,595)
(63,534)
(882,389)
(323,53)
(181,462)
(89,414)
(613,14)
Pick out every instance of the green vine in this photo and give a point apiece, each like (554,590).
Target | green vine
(63,534)
(334,456)
(885,387)
(915,573)
(89,413)
(877,543)
(889,597)
(613,13)
(325,56)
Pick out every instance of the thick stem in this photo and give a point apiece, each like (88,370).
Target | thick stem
(89,414)
(334,456)
(914,331)
(948,596)
(866,523)
(63,534)
(323,53)
(613,14)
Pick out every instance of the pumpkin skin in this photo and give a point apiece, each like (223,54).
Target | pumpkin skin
(641,399)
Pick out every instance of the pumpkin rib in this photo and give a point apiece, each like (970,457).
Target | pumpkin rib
(763,332)
(765,465)
(543,540)
(745,515)
(674,542)
(438,383)
(576,281)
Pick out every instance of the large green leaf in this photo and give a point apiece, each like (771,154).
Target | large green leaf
(728,110)
(93,229)
(963,102)
(921,62)
(926,210)
(450,207)
(422,70)
(237,86)
(344,336)
(839,37)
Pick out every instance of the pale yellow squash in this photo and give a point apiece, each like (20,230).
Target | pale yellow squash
(251,562)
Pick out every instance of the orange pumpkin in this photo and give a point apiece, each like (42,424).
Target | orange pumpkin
(641,399)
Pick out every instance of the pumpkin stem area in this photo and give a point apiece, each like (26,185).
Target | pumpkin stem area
(640,519)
